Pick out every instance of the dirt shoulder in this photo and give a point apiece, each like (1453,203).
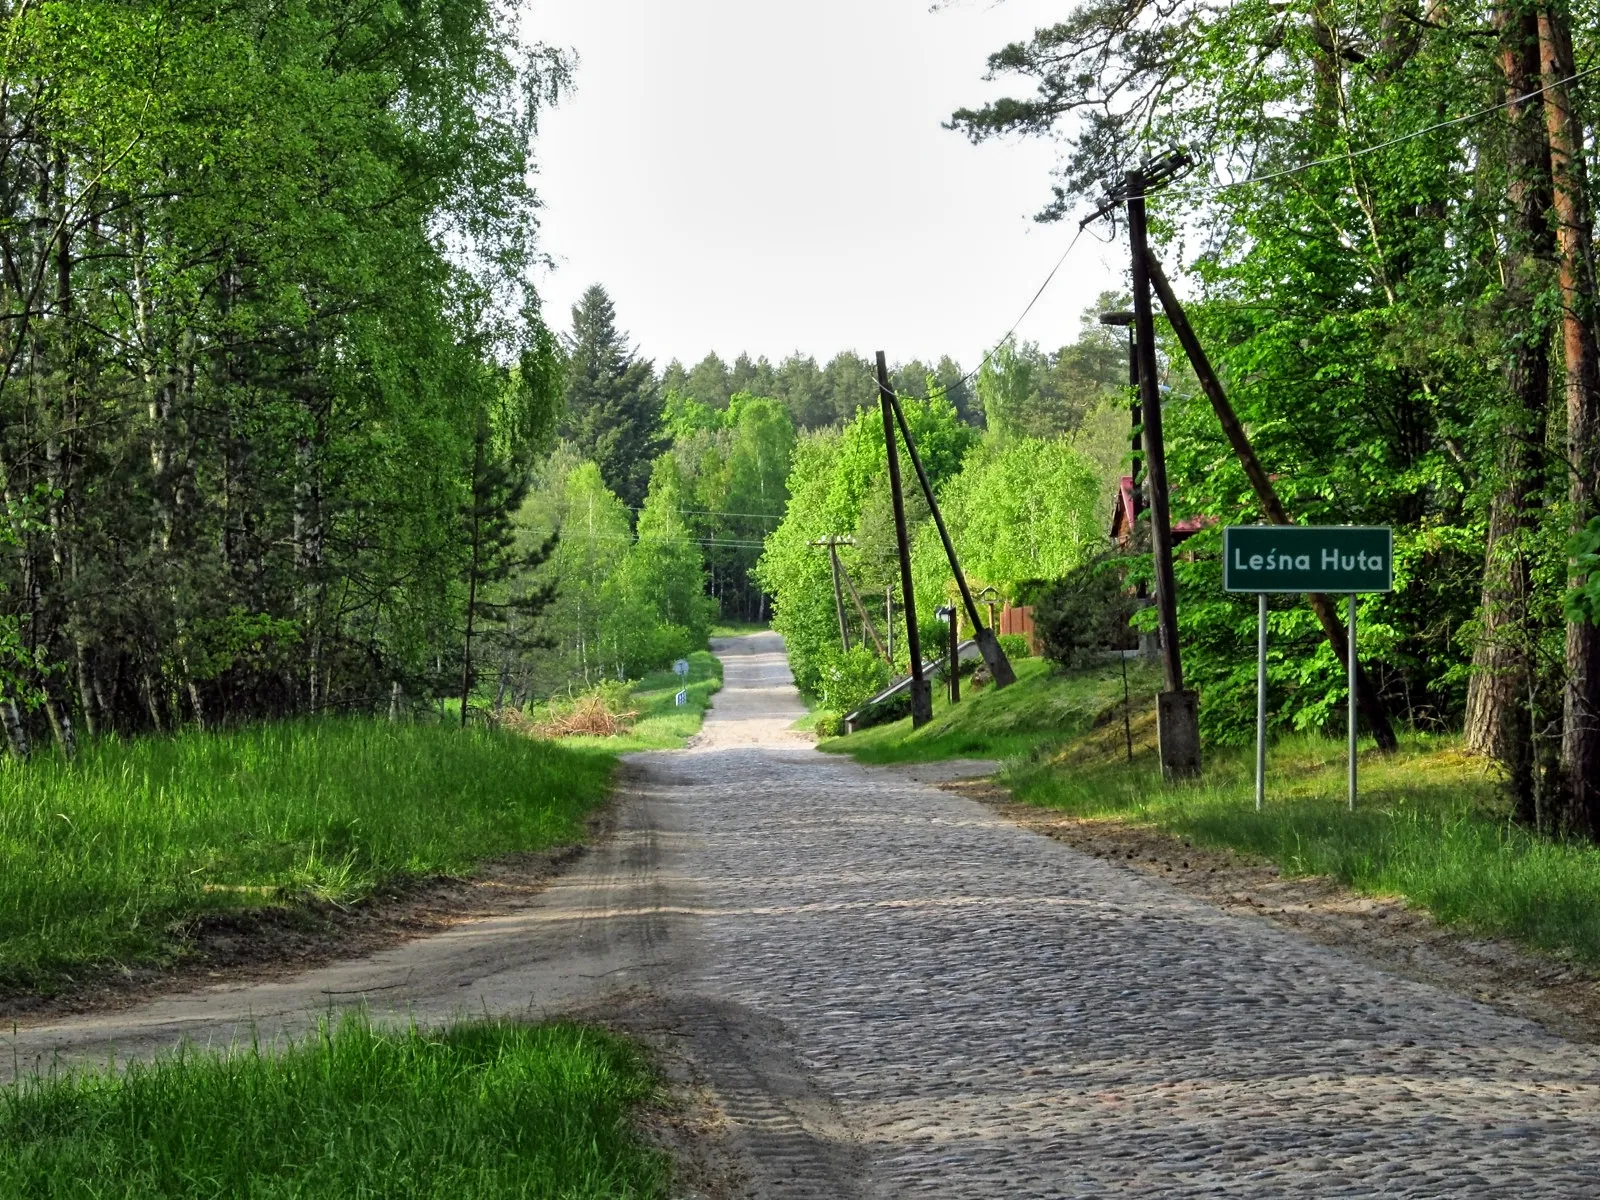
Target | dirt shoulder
(1383,931)
(273,942)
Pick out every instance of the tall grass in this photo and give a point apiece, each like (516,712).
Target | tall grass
(1430,826)
(483,1111)
(101,858)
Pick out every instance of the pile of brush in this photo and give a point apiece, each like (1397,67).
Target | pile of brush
(596,713)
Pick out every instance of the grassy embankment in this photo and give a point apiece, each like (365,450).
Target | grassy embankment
(103,861)
(738,628)
(483,1111)
(661,724)
(1431,825)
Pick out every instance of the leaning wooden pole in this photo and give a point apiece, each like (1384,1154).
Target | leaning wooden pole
(866,617)
(921,696)
(838,595)
(1327,614)
(988,645)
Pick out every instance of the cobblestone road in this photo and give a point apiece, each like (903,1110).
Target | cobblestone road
(892,992)
(992,1014)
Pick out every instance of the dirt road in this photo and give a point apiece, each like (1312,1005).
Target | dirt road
(891,991)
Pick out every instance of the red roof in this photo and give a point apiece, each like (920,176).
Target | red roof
(1121,517)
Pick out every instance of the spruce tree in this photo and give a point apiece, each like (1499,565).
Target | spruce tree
(613,405)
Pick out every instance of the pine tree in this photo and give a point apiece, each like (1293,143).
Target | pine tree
(613,405)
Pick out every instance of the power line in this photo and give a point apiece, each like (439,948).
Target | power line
(946,389)
(1201,189)
(716,512)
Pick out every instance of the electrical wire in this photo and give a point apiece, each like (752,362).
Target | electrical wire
(1200,189)
(946,389)
(716,512)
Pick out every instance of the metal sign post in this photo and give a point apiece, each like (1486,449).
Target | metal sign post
(1306,558)
(1261,704)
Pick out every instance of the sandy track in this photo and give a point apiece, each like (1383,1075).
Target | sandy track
(887,990)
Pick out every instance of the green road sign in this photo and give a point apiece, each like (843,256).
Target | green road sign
(1308,558)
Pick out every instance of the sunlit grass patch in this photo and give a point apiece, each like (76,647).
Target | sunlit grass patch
(102,859)
(661,723)
(1043,708)
(1430,825)
(484,1110)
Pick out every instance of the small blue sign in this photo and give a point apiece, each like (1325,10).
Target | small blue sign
(683,698)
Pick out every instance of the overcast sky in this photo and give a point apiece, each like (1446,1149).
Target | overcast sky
(772,175)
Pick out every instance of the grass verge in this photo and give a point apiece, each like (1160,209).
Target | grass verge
(738,628)
(485,1110)
(102,860)
(662,724)
(1431,825)
(1044,708)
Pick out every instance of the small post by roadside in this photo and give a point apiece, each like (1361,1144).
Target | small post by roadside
(948,614)
(888,619)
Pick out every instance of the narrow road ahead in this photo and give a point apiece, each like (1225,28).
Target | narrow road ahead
(893,992)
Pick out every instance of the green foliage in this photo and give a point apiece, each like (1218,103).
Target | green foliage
(1381,314)
(1015,645)
(1021,509)
(613,410)
(1086,610)
(852,677)
(481,1111)
(268,271)
(1017,508)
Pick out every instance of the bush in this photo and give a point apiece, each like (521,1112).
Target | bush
(1016,645)
(852,677)
(1087,609)
(894,708)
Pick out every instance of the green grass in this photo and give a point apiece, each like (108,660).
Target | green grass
(1430,826)
(100,860)
(738,628)
(482,1111)
(1044,708)
(662,725)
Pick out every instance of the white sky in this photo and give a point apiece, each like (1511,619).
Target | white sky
(772,175)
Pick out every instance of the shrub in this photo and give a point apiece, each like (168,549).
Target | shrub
(852,677)
(1016,645)
(885,711)
(1087,609)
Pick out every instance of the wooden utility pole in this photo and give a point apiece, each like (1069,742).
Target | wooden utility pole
(888,620)
(1327,612)
(838,596)
(988,645)
(1178,717)
(921,698)
(866,618)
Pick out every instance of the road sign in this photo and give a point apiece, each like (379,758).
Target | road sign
(1308,558)
(681,667)
(682,697)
